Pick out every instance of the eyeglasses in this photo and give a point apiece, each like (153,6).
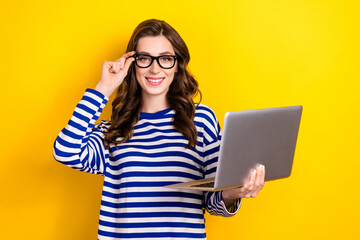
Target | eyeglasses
(164,61)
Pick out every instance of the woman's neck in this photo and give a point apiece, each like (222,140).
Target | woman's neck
(152,104)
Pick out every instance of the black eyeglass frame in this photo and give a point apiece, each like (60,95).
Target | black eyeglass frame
(156,58)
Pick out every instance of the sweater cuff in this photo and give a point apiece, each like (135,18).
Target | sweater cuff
(232,209)
(89,109)
(98,94)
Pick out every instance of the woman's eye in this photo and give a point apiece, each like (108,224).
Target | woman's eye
(165,59)
(143,59)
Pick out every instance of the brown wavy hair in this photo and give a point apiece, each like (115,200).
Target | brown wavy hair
(126,106)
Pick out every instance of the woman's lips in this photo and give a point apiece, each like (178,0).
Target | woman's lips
(155,81)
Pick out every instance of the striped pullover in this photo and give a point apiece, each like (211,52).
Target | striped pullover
(134,204)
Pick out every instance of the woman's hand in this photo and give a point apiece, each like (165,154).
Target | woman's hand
(113,74)
(251,187)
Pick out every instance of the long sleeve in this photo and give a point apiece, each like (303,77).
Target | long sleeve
(213,201)
(79,145)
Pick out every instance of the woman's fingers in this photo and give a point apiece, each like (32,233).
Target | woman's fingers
(124,62)
(119,63)
(257,182)
(128,63)
(248,185)
(252,180)
(254,183)
(113,73)
(115,67)
(260,180)
(251,184)
(129,54)
(259,176)
(125,56)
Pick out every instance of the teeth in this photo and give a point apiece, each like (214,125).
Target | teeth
(155,80)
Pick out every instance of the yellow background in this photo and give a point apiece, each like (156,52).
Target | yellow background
(245,55)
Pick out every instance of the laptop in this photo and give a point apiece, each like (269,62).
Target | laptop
(265,136)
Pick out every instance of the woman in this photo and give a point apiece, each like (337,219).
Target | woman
(157,136)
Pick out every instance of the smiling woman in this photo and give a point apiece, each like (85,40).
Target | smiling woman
(154,88)
(157,136)
(155,80)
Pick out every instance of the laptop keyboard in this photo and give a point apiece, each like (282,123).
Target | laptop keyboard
(207,185)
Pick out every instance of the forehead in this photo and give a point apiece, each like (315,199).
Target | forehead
(154,45)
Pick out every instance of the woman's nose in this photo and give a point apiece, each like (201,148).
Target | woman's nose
(154,67)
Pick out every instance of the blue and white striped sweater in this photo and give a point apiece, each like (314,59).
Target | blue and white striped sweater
(134,203)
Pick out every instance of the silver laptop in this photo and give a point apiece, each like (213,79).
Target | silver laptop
(265,136)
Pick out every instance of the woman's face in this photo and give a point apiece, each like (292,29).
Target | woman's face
(154,80)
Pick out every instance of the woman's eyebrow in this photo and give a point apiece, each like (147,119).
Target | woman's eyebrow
(162,53)
(167,52)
